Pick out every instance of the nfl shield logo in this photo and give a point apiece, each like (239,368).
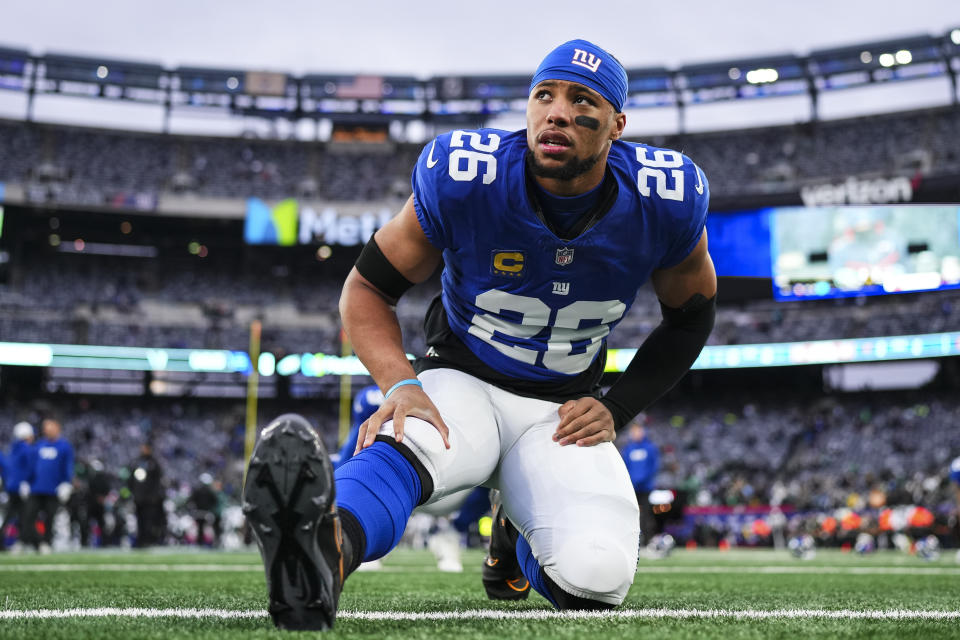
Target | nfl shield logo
(564,256)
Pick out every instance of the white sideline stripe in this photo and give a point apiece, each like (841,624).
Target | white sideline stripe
(909,571)
(131,567)
(492,614)
(643,569)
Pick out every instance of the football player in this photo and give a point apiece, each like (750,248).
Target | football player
(642,458)
(546,235)
(19,475)
(955,476)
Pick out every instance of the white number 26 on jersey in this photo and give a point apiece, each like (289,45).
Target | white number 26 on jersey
(655,168)
(479,153)
(565,332)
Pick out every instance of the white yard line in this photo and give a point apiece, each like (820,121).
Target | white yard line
(492,614)
(131,567)
(643,569)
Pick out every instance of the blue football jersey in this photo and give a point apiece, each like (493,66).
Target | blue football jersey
(526,302)
(955,470)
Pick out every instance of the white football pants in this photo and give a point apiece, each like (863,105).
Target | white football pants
(574,505)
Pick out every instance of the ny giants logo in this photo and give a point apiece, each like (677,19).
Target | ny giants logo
(584,59)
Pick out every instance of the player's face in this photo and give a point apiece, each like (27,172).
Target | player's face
(569,130)
(51,429)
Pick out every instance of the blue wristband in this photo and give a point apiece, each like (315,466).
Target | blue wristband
(402,383)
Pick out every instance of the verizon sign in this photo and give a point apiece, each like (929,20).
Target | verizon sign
(854,191)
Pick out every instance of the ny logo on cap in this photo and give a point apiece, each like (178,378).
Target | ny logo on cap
(584,59)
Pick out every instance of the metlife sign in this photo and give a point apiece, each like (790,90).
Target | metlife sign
(280,223)
(328,226)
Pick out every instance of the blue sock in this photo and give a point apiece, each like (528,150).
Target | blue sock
(476,504)
(380,488)
(532,570)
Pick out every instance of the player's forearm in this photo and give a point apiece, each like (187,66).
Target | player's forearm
(663,358)
(374,331)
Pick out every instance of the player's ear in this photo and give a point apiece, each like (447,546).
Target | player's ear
(619,122)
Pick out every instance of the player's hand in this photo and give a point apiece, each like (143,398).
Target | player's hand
(408,400)
(586,422)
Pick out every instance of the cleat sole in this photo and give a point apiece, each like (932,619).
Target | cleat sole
(285,497)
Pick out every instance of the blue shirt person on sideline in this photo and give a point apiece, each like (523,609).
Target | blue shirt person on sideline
(51,485)
(642,458)
(18,473)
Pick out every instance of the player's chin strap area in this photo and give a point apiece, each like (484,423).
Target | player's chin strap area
(663,358)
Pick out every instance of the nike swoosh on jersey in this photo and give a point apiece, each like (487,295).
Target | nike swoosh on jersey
(430,160)
(699,185)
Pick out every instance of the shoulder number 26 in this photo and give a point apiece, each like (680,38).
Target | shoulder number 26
(478,153)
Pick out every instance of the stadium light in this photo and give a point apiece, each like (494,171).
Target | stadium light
(955,36)
(267,364)
(866,57)
(903,57)
(762,76)
(887,60)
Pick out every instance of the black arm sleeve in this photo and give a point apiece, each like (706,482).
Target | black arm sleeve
(375,267)
(662,359)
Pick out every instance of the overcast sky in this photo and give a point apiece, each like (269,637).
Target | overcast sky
(438,37)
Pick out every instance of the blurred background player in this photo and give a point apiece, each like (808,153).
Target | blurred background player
(99,486)
(955,476)
(643,462)
(51,486)
(365,404)
(146,484)
(206,507)
(18,472)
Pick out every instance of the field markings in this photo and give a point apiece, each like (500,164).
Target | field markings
(493,614)
(131,567)
(642,569)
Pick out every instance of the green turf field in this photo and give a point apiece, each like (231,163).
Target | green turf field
(704,594)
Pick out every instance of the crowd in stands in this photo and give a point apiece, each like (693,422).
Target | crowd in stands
(103,304)
(816,452)
(91,167)
(805,453)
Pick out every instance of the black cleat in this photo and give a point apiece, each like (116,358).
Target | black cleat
(289,501)
(502,577)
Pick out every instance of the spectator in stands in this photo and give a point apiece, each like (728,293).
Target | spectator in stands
(51,485)
(643,462)
(146,484)
(18,472)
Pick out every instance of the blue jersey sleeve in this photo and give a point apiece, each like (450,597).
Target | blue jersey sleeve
(427,181)
(366,403)
(687,217)
(955,470)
